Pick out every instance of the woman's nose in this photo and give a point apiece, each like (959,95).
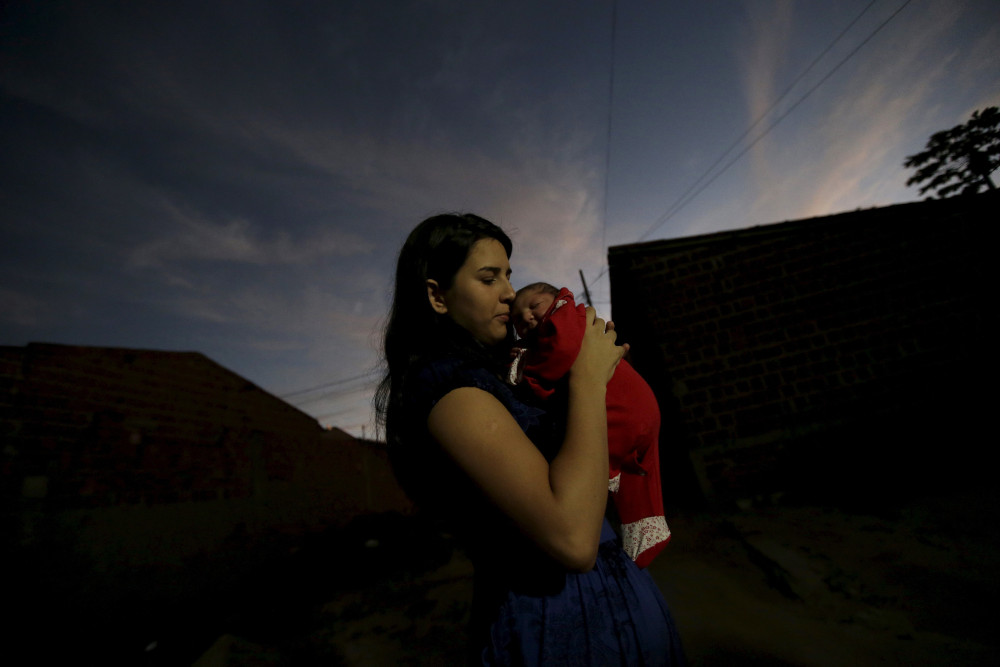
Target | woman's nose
(508,294)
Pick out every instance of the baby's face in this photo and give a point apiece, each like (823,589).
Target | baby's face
(529,309)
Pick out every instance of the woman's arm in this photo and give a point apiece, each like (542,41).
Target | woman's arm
(559,505)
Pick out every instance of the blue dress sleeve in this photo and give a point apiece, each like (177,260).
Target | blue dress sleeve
(435,380)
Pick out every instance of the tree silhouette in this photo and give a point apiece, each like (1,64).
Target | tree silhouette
(960,159)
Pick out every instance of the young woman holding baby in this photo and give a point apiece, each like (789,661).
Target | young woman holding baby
(524,488)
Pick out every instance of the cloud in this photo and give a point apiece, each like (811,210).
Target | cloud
(981,59)
(23,310)
(844,147)
(298,338)
(196,238)
(549,188)
(763,59)
(886,112)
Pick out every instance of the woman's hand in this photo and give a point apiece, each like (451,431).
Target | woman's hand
(598,356)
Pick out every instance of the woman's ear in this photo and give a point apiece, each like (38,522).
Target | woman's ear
(436,296)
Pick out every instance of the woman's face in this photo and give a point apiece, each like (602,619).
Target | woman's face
(480,295)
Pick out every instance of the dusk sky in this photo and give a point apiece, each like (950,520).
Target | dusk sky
(236,178)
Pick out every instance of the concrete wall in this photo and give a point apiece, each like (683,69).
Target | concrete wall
(815,354)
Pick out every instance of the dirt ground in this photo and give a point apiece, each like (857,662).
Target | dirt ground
(775,585)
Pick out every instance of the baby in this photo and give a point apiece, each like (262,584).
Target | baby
(550,326)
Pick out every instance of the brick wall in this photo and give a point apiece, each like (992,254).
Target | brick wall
(803,355)
(118,462)
(110,426)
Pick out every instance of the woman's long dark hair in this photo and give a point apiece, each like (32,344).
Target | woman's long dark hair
(435,250)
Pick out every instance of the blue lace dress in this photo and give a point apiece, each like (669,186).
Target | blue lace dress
(527,609)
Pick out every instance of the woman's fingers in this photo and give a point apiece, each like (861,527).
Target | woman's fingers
(594,320)
(607,326)
(598,352)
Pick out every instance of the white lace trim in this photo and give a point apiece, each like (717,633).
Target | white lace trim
(516,371)
(644,533)
(614,483)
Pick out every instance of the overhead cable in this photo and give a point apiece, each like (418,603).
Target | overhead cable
(686,198)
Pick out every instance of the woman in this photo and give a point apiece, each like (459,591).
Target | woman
(526,490)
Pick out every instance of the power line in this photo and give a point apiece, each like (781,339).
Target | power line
(368,375)
(338,394)
(691,191)
(685,199)
(337,413)
(677,204)
(611,108)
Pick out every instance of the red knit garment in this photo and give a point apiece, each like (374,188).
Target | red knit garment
(633,424)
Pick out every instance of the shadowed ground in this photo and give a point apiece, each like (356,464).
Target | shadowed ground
(784,584)
(774,585)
